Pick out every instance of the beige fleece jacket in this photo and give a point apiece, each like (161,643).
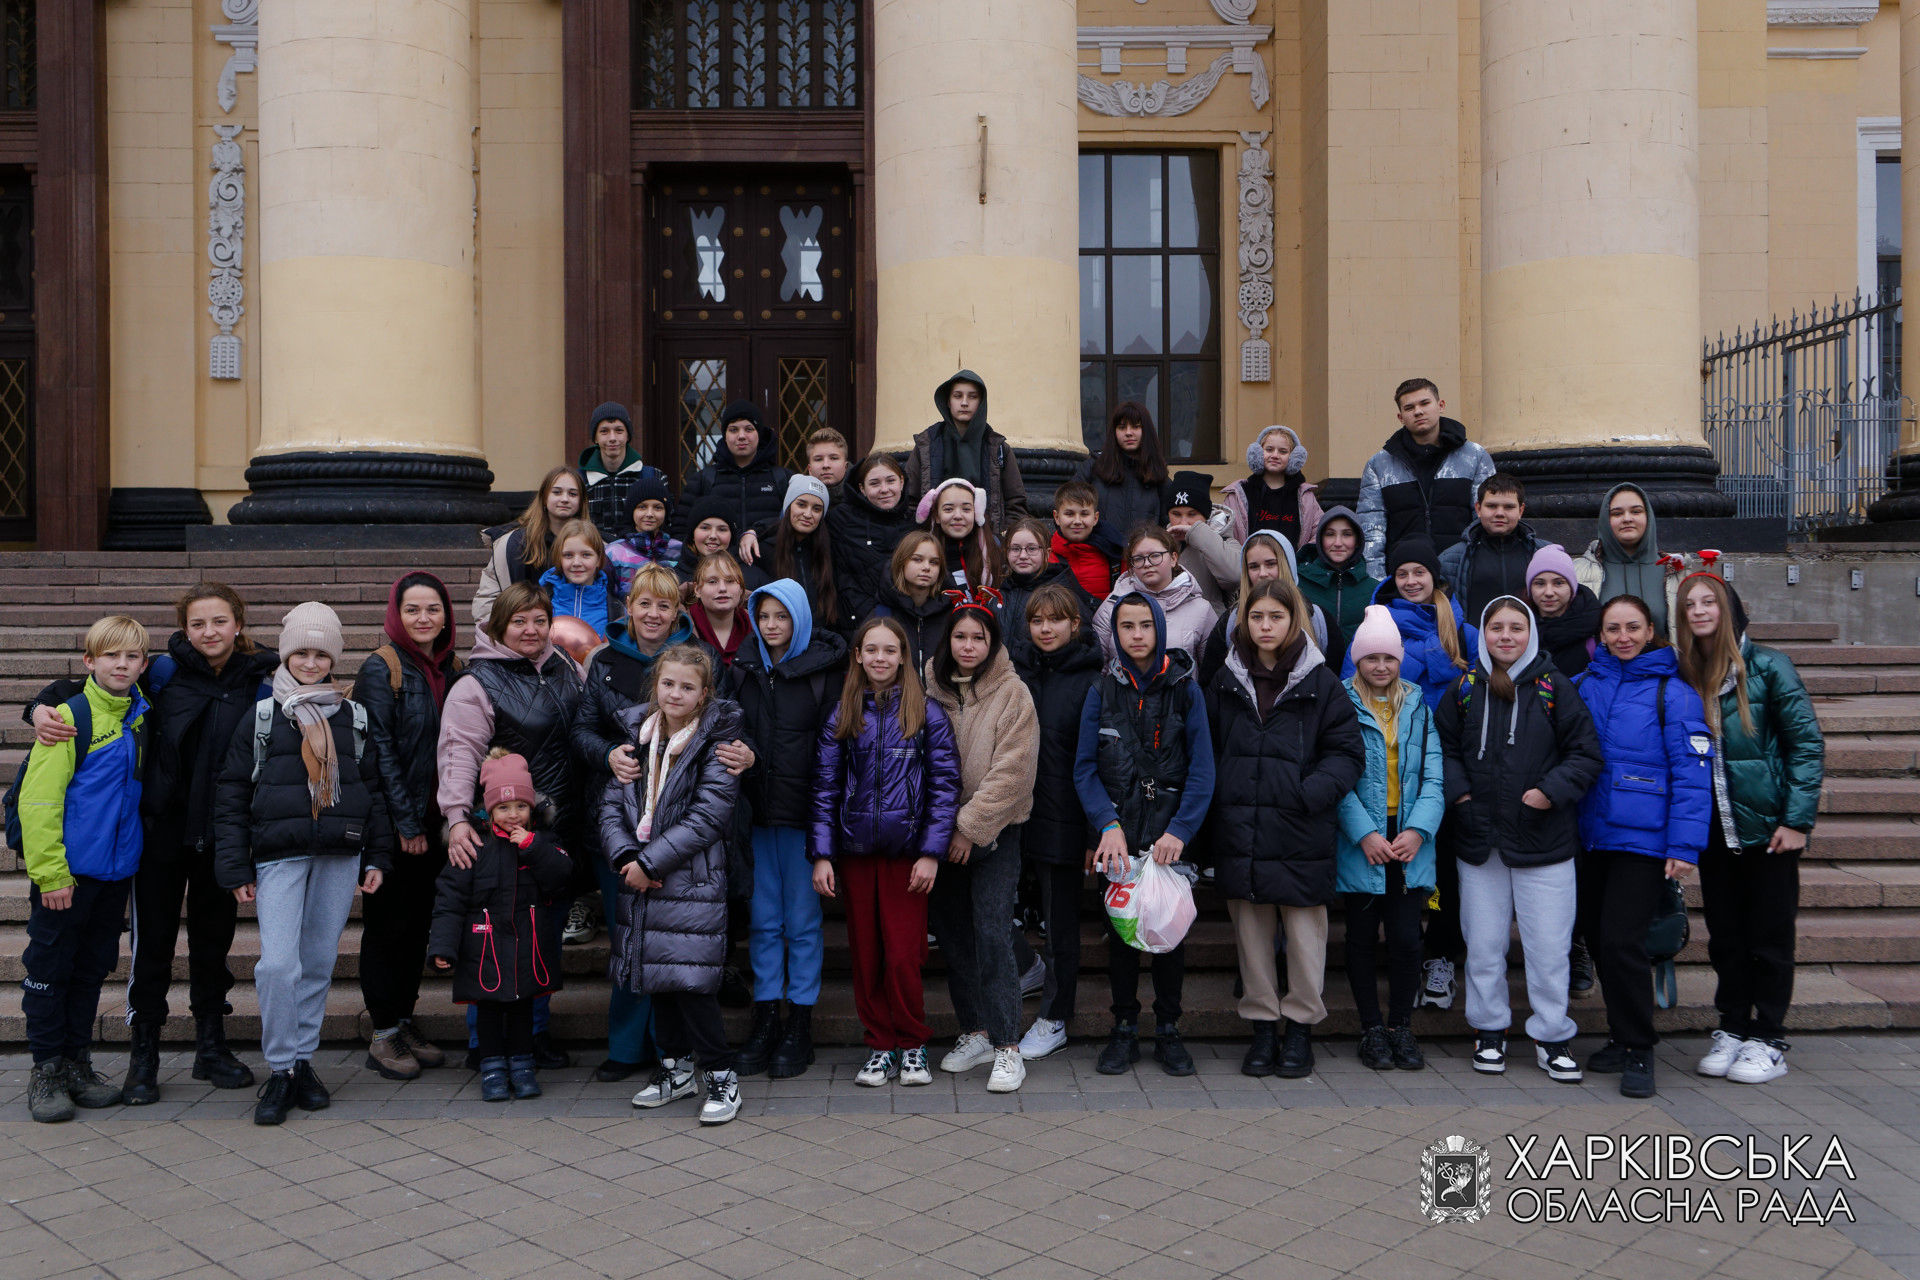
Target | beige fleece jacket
(998,735)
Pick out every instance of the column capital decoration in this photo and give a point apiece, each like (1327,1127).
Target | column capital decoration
(1164,98)
(1819,13)
(241,33)
(226,239)
(1256,254)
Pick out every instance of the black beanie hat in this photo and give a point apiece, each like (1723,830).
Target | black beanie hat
(1416,548)
(613,410)
(1187,489)
(648,486)
(742,409)
(711,509)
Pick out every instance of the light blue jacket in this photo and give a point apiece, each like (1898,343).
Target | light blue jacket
(1422,794)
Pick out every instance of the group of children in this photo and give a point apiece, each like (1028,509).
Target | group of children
(829,686)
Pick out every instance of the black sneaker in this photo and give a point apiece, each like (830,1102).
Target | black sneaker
(613,1071)
(1636,1076)
(547,1055)
(1406,1050)
(276,1096)
(1375,1051)
(1122,1051)
(1296,1051)
(308,1093)
(1490,1052)
(1579,970)
(1609,1059)
(1557,1060)
(1169,1052)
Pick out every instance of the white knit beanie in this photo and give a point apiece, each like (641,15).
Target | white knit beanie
(311,626)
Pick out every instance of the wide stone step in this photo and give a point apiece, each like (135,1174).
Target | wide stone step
(1872,754)
(1837,681)
(1871,795)
(1850,655)
(68,640)
(1895,713)
(159,617)
(367,558)
(1849,838)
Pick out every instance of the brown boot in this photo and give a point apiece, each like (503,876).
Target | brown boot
(389,1056)
(424,1051)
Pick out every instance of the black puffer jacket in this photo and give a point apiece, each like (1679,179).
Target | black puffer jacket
(748,494)
(674,938)
(1018,588)
(406,728)
(189,729)
(864,537)
(1278,782)
(784,709)
(761,572)
(1568,638)
(924,623)
(487,919)
(271,818)
(1056,832)
(619,677)
(533,715)
(1498,751)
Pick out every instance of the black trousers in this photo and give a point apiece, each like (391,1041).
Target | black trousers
(687,1025)
(505,1028)
(1751,899)
(166,878)
(1444,940)
(69,955)
(1061,887)
(393,935)
(1398,912)
(1619,894)
(1123,972)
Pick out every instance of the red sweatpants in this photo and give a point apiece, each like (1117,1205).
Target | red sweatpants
(887,934)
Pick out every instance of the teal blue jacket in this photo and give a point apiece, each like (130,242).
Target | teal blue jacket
(1422,794)
(1774,774)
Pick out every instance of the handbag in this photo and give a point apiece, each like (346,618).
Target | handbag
(1667,935)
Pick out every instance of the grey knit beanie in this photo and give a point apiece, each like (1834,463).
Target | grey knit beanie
(311,626)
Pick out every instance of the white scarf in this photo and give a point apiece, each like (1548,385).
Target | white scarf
(662,751)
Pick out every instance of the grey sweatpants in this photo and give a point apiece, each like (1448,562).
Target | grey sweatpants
(1492,897)
(302,904)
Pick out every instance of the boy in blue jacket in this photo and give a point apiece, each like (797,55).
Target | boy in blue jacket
(81,837)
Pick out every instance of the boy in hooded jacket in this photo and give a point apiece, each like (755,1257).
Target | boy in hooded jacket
(965,445)
(1144,773)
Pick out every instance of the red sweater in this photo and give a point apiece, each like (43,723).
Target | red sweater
(1088,563)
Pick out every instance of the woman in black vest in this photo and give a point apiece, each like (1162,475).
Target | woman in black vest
(402,684)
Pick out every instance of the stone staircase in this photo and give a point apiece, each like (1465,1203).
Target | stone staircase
(1859,945)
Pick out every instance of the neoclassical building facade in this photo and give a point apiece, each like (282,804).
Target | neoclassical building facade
(373,261)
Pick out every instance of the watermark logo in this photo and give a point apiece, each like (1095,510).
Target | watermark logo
(1456,1180)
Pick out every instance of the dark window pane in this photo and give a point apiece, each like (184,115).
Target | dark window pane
(1193,201)
(1093,306)
(1190,305)
(1193,414)
(1139,307)
(1139,382)
(1093,403)
(1886,205)
(1093,202)
(1138,202)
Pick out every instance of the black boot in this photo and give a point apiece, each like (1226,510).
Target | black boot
(520,1073)
(547,1055)
(213,1061)
(1169,1052)
(1122,1051)
(143,1066)
(1636,1074)
(1260,1054)
(757,1052)
(1296,1052)
(795,1053)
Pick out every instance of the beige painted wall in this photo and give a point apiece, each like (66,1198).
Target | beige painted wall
(1734,165)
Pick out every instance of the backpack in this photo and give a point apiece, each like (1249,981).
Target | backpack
(263,732)
(395,676)
(82,712)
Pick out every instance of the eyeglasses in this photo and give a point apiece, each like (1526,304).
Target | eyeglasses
(1147,560)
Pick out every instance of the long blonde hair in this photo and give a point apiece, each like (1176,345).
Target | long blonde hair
(1449,626)
(853,695)
(1707,663)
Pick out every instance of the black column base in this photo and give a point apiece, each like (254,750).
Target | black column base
(1569,484)
(369,488)
(1043,471)
(145,519)
(1903,491)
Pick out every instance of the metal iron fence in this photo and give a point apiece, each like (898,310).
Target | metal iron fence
(1803,415)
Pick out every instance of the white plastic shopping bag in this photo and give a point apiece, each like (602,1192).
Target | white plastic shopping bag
(1151,906)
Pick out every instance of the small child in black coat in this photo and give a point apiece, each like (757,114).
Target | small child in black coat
(499,963)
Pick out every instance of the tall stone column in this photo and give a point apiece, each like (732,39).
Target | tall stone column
(977,237)
(369,402)
(1903,501)
(1591,252)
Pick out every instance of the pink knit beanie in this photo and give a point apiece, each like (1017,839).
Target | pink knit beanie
(1552,558)
(504,778)
(1376,634)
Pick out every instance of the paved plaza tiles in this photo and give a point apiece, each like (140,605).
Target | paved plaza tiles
(1077,1175)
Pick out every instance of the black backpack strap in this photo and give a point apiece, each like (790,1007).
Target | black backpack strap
(1661,699)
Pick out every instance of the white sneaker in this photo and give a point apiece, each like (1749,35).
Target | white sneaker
(1437,993)
(1490,1052)
(1009,1070)
(1557,1061)
(968,1052)
(723,1098)
(1758,1063)
(1045,1036)
(878,1071)
(1721,1054)
(670,1083)
(913,1067)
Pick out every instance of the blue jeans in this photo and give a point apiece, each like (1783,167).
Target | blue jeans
(785,942)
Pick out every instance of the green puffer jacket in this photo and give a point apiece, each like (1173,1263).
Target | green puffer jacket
(1773,774)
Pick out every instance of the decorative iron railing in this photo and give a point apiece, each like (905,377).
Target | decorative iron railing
(1803,415)
(749,54)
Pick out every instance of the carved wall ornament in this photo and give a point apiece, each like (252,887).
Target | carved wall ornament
(1165,98)
(1256,254)
(241,33)
(1820,13)
(226,237)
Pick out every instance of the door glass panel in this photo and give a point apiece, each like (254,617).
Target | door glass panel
(1093,306)
(801,253)
(15,425)
(702,399)
(710,251)
(1138,311)
(1190,304)
(1138,202)
(803,406)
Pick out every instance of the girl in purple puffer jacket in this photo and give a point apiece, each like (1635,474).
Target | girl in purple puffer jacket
(886,791)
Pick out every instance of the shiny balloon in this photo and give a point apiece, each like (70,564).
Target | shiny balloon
(575,638)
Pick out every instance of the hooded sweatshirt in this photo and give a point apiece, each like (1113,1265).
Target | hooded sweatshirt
(1343,591)
(1186,616)
(1611,570)
(784,704)
(980,455)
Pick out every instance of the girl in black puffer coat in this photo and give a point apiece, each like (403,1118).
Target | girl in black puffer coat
(490,932)
(1028,570)
(915,595)
(1287,748)
(866,523)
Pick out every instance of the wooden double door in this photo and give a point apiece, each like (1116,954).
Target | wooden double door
(749,296)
